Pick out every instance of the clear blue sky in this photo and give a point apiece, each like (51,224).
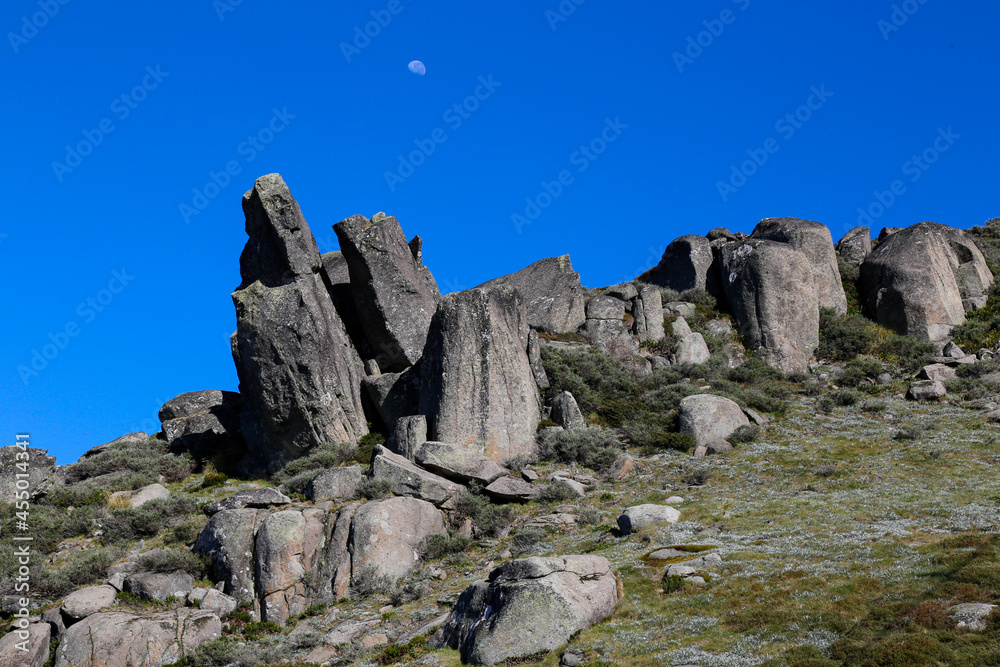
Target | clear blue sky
(199,79)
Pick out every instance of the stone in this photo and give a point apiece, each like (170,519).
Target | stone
(477,388)
(687,263)
(680,309)
(458,464)
(395,395)
(921,281)
(300,375)
(720,233)
(718,447)
(211,433)
(349,632)
(81,603)
(884,379)
(692,350)
(953,351)
(680,328)
(708,418)
(218,602)
(228,541)
(394,294)
(287,551)
(409,434)
(624,291)
(938,372)
(117,580)
(855,245)
(756,417)
(148,493)
(552,294)
(622,466)
(422,630)
(887,232)
(639,516)
(119,639)
(603,307)
(535,360)
(338,280)
(335,484)
(387,534)
(255,498)
(159,586)
(971,615)
(575,487)
(531,605)
(54,619)
(613,338)
(771,290)
(512,490)
(566,412)
(26,647)
(404,478)
(40,467)
(926,390)
(720,329)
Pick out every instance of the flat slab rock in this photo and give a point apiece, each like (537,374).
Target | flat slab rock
(458,463)
(512,490)
(253,498)
(80,604)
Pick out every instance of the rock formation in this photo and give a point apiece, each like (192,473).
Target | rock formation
(552,294)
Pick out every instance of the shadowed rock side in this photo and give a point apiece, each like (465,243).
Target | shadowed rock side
(855,245)
(921,281)
(300,376)
(687,263)
(395,295)
(342,294)
(477,388)
(553,296)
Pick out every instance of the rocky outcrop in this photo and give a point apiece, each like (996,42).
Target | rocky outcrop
(335,484)
(338,279)
(552,294)
(204,423)
(771,292)
(814,241)
(921,281)
(253,498)
(528,606)
(300,376)
(81,603)
(855,245)
(687,263)
(458,463)
(404,478)
(159,586)
(708,418)
(394,294)
(26,647)
(39,466)
(647,311)
(228,542)
(386,535)
(287,548)
(409,434)
(512,490)
(607,331)
(395,395)
(477,388)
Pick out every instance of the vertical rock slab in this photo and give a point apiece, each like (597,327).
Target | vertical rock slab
(386,535)
(647,309)
(477,386)
(687,263)
(300,376)
(814,241)
(552,293)
(395,295)
(288,549)
(228,541)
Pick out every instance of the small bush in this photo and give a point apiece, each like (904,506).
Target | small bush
(908,432)
(173,560)
(858,370)
(555,493)
(696,475)
(593,447)
(319,458)
(146,521)
(394,653)
(146,461)
(372,489)
(79,570)
(906,351)
(488,519)
(845,397)
(873,406)
(843,338)
(525,539)
(745,433)
(436,546)
(672,583)
(368,582)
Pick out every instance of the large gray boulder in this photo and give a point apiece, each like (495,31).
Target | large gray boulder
(287,550)
(921,281)
(855,245)
(119,639)
(639,516)
(692,350)
(707,418)
(204,423)
(477,388)
(395,295)
(687,263)
(335,484)
(159,585)
(300,376)
(386,535)
(39,466)
(528,606)
(814,241)
(404,478)
(552,294)
(458,463)
(81,603)
(26,647)
(409,434)
(771,291)
(566,412)
(254,498)
(228,541)
(607,331)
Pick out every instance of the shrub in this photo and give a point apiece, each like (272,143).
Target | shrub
(489,519)
(843,338)
(873,406)
(858,370)
(147,461)
(593,447)
(745,433)
(696,475)
(905,351)
(672,583)
(845,397)
(525,539)
(319,458)
(394,653)
(368,582)
(436,546)
(555,493)
(145,521)
(699,296)
(173,560)
(184,532)
(79,570)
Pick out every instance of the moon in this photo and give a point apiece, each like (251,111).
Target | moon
(417,68)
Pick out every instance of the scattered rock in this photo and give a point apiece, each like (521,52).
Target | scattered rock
(938,372)
(647,311)
(81,603)
(218,602)
(566,412)
(159,586)
(926,390)
(708,418)
(254,498)
(552,294)
(680,327)
(512,490)
(636,517)
(718,447)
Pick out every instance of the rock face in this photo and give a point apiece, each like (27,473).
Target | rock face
(606,328)
(204,423)
(395,295)
(228,540)
(300,376)
(686,264)
(552,294)
(921,281)
(335,483)
(814,241)
(409,434)
(287,547)
(855,245)
(770,289)
(528,606)
(117,639)
(395,395)
(41,469)
(35,638)
(386,535)
(707,418)
(159,586)
(254,498)
(477,388)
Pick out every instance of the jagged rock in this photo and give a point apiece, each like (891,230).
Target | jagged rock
(926,390)
(253,498)
(953,351)
(404,478)
(938,372)
(338,278)
(687,263)
(458,463)
(607,331)
(204,423)
(394,294)
(692,350)
(647,310)
(855,245)
(54,619)
(142,496)
(720,233)
(814,241)
(218,602)
(395,395)
(386,535)
(335,484)
(771,291)
(477,388)
(552,294)
(624,291)
(228,541)
(535,360)
(512,490)
(159,586)
(409,434)
(707,418)
(300,376)
(335,571)
(922,280)
(887,232)
(287,548)
(638,516)
(566,412)
(40,467)
(81,603)
(26,647)
(118,639)
(529,606)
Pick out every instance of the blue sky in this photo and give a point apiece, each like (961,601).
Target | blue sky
(603,130)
